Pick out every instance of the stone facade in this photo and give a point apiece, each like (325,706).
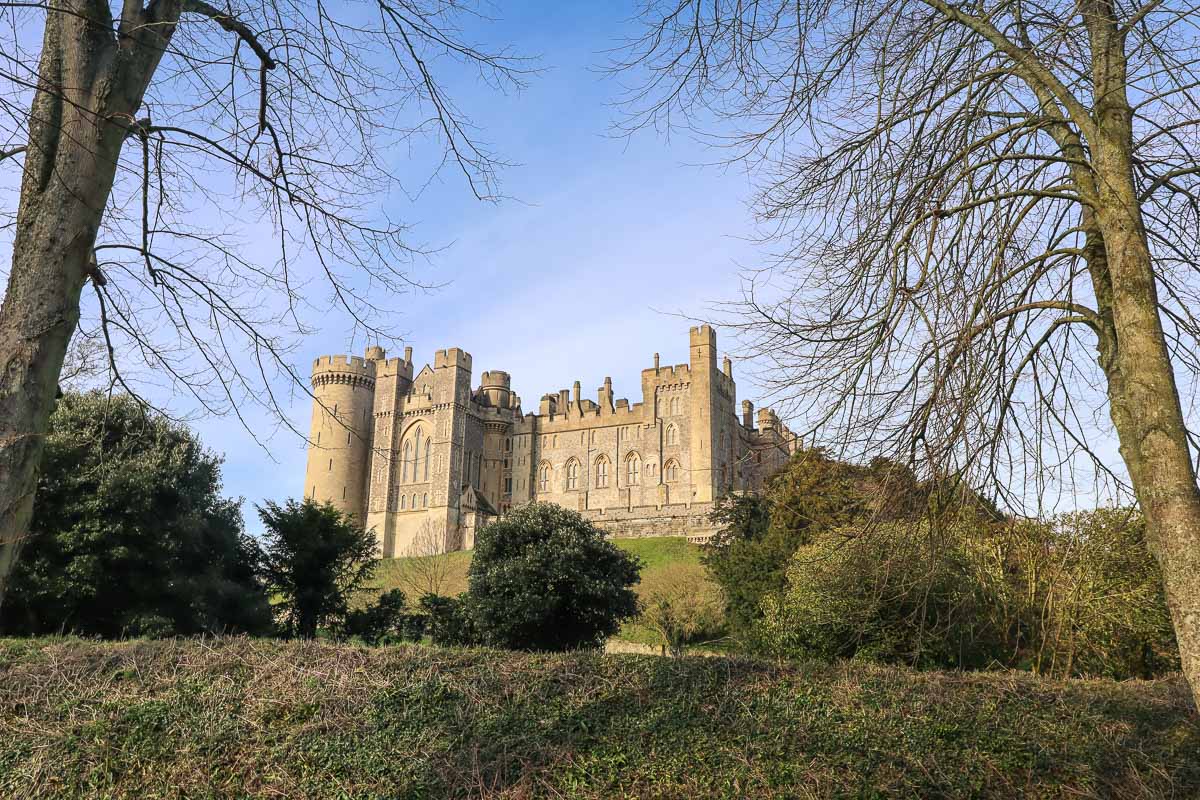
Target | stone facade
(426,459)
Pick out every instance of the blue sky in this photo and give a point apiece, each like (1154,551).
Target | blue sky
(580,275)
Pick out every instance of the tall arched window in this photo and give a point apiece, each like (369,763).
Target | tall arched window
(403,500)
(424,500)
(672,435)
(416,473)
(671,471)
(602,472)
(572,474)
(633,469)
(674,406)
(544,478)
(404,459)
(428,452)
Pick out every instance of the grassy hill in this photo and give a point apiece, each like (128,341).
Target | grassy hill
(659,555)
(260,719)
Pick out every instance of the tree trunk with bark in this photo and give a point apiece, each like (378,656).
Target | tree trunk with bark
(90,85)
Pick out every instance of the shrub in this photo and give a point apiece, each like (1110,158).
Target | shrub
(1076,595)
(750,554)
(544,578)
(683,606)
(448,620)
(316,560)
(385,621)
(896,592)
(130,534)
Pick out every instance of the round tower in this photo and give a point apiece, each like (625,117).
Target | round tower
(339,441)
(497,387)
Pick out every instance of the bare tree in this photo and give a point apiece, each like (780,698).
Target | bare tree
(985,219)
(135,123)
(423,572)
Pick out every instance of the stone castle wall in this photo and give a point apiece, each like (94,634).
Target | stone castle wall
(410,454)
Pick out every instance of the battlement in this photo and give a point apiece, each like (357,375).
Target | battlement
(353,364)
(496,379)
(702,334)
(678,373)
(452,357)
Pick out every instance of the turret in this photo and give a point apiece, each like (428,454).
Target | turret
(767,421)
(704,422)
(340,437)
(748,415)
(496,386)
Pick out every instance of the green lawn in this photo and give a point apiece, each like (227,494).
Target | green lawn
(659,555)
(269,719)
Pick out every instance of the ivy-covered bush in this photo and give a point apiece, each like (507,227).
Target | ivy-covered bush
(544,578)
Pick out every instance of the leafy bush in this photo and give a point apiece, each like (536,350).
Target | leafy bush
(448,620)
(544,578)
(1076,595)
(316,559)
(750,554)
(385,621)
(897,592)
(130,534)
(683,606)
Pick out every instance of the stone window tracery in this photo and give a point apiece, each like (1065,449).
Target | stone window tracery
(602,472)
(633,469)
(572,475)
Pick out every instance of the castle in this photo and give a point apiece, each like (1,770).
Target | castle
(425,460)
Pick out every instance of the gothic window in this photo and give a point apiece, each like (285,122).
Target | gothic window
(404,459)
(671,471)
(633,469)
(544,478)
(416,473)
(414,502)
(602,472)
(424,500)
(572,474)
(403,500)
(428,451)
(672,435)
(674,406)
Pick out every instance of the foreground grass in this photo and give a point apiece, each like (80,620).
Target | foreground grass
(259,718)
(659,555)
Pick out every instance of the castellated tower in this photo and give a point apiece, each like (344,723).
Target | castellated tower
(704,416)
(339,441)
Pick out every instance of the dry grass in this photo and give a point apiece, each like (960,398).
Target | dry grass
(256,718)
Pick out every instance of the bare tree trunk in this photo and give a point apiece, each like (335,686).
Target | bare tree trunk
(82,111)
(1143,395)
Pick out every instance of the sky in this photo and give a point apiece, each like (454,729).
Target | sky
(602,248)
(604,251)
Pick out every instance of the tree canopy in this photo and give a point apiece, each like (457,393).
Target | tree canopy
(131,535)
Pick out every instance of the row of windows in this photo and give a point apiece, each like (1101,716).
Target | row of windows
(406,504)
(633,473)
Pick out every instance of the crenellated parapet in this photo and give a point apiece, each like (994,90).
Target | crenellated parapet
(345,370)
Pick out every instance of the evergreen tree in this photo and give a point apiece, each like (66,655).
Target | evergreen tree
(130,533)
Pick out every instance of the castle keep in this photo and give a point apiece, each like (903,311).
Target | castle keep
(425,459)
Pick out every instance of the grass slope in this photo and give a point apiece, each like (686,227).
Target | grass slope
(250,718)
(658,554)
